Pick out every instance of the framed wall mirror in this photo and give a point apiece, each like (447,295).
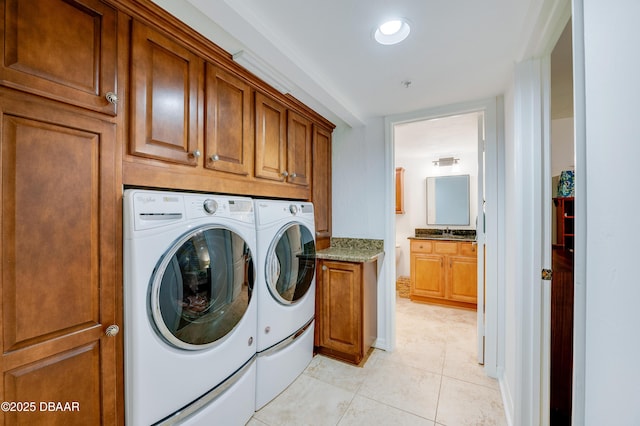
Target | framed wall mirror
(448,200)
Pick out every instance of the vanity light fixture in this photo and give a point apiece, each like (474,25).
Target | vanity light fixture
(392,32)
(446,161)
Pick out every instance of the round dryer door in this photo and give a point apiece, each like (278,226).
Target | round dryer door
(291,264)
(202,287)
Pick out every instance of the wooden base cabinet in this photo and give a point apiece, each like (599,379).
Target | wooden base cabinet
(346,319)
(444,272)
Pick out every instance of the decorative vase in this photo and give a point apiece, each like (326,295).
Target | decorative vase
(566,184)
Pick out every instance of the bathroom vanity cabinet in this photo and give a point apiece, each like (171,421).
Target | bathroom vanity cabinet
(444,272)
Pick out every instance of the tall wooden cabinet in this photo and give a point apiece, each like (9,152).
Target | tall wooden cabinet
(60,291)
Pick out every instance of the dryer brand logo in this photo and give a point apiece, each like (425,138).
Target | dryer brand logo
(171,199)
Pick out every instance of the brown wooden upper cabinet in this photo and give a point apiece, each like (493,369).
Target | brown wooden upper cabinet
(61,49)
(165,81)
(399,190)
(271,138)
(298,149)
(321,185)
(283,143)
(228,136)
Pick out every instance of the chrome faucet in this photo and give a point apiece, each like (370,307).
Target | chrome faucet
(446,232)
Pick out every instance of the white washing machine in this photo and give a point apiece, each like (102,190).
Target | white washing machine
(286,294)
(190,308)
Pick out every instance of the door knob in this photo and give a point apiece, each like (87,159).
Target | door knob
(112,330)
(196,153)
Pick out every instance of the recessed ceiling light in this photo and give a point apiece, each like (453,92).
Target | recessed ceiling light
(392,31)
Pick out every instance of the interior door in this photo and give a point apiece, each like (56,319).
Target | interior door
(480,238)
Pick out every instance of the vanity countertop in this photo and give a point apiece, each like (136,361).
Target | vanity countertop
(443,238)
(353,250)
(439,234)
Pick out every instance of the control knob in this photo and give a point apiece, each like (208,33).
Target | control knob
(293,209)
(210,206)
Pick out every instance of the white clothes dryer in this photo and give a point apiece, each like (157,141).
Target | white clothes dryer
(190,309)
(286,294)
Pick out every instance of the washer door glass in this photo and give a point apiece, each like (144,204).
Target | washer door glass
(202,287)
(291,264)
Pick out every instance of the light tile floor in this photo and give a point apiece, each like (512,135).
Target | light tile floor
(432,378)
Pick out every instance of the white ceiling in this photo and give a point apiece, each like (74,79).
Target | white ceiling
(441,137)
(458,50)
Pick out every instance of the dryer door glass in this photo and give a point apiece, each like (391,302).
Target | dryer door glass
(202,288)
(291,264)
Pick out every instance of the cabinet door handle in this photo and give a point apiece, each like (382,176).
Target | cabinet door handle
(196,154)
(293,175)
(285,173)
(324,267)
(215,157)
(112,330)
(111,97)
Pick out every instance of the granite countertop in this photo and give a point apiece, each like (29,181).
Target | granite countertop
(452,235)
(352,250)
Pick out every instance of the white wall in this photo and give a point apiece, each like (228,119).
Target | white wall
(417,169)
(358,193)
(612,89)
(562,151)
(508,361)
(358,181)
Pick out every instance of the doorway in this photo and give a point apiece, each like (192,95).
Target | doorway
(562,170)
(491,110)
(441,151)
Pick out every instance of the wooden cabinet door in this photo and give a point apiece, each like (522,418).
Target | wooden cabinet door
(61,49)
(427,275)
(228,139)
(321,186)
(341,306)
(463,279)
(399,190)
(165,81)
(271,138)
(298,149)
(59,243)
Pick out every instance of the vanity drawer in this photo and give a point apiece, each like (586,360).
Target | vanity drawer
(468,249)
(421,246)
(446,247)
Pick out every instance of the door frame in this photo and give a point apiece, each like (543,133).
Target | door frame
(532,119)
(493,110)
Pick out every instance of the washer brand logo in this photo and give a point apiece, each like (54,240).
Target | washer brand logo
(146,199)
(170,199)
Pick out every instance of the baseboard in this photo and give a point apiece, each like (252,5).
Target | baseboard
(507,399)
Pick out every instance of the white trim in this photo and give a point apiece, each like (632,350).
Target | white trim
(495,146)
(545,200)
(580,245)
(527,131)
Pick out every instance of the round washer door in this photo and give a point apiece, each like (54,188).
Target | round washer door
(202,287)
(291,264)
